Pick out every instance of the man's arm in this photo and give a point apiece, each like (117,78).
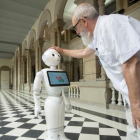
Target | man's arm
(82,53)
(131,72)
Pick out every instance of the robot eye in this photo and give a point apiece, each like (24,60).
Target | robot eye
(52,54)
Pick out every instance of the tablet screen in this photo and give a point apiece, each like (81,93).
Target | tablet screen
(58,78)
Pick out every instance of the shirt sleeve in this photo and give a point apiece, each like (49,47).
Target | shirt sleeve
(122,39)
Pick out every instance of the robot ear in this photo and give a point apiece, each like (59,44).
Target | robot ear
(43,58)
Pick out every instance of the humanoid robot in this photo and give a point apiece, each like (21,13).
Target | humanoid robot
(55,105)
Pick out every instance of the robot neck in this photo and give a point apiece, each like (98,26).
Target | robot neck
(53,67)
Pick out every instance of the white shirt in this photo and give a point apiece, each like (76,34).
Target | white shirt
(116,39)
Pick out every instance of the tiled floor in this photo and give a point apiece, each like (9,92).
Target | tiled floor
(17,120)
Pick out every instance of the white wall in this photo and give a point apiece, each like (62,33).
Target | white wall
(6,62)
(4,79)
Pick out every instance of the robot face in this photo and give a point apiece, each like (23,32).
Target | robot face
(51,57)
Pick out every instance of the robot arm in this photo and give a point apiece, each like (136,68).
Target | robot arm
(37,89)
(65,94)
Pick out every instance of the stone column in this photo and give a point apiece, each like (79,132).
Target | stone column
(77,2)
(69,69)
(55,30)
(59,29)
(121,4)
(91,68)
(14,84)
(103,74)
(81,68)
(47,36)
(36,59)
(23,59)
(28,55)
(95,4)
(19,68)
(101,7)
(38,54)
(102,12)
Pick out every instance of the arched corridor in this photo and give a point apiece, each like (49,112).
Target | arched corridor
(27,29)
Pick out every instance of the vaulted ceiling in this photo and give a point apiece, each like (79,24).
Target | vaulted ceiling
(16,19)
(18,16)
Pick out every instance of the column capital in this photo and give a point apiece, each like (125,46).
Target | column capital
(29,52)
(57,25)
(101,2)
(77,2)
(92,2)
(38,43)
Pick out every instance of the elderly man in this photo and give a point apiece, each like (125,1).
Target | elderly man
(115,39)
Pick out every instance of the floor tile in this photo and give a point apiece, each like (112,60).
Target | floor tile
(78,119)
(88,137)
(8,137)
(27,126)
(110,138)
(90,130)
(40,127)
(33,133)
(34,121)
(14,124)
(4,130)
(73,129)
(17,121)
(108,131)
(17,132)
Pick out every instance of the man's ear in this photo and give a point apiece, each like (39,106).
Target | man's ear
(85,20)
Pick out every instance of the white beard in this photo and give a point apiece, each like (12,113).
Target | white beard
(86,36)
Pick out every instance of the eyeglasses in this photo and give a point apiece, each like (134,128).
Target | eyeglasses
(74,27)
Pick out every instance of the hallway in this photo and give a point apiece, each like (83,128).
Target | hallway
(17,120)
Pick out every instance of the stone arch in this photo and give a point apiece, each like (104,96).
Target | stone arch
(59,9)
(44,18)
(24,47)
(32,38)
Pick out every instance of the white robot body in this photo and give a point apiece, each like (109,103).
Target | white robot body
(54,104)
(52,91)
(55,118)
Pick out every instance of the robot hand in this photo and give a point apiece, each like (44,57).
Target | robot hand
(37,109)
(37,112)
(68,108)
(65,94)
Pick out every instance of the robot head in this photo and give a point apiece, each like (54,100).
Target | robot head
(51,57)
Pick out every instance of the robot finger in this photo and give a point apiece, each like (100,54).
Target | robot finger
(39,117)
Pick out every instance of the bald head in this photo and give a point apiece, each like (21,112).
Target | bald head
(85,10)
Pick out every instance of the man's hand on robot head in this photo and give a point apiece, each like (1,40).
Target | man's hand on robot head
(58,49)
